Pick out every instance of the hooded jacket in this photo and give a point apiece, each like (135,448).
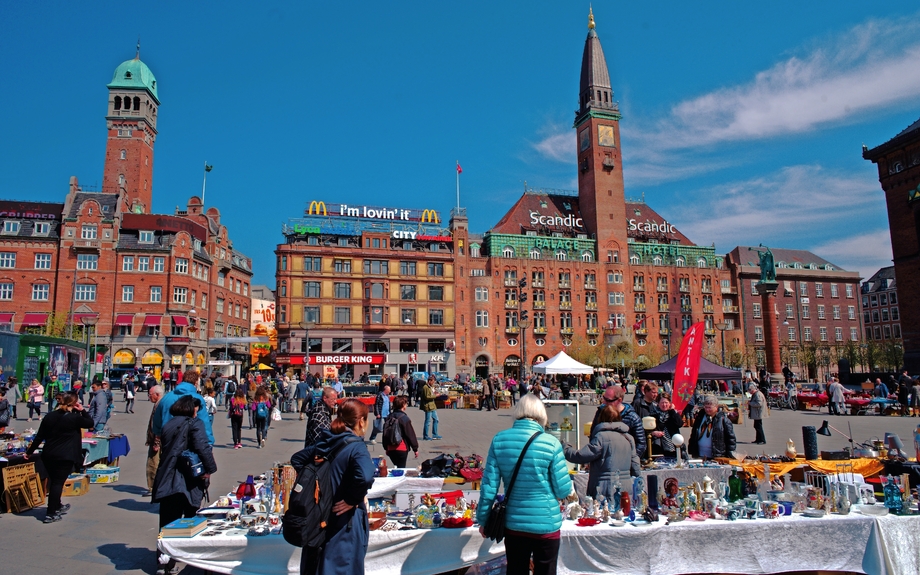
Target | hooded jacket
(179,434)
(632,421)
(162,416)
(611,451)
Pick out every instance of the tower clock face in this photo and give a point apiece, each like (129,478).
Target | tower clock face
(605,136)
(584,139)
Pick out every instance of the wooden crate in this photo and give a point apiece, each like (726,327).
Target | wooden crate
(22,487)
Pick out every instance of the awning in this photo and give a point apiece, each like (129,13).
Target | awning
(124,319)
(179,320)
(153,320)
(6,317)
(35,319)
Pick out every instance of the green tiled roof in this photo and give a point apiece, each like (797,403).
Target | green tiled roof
(135,74)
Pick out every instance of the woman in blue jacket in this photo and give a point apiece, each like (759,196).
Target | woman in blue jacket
(533,517)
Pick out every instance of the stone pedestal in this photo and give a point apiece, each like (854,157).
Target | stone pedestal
(767,291)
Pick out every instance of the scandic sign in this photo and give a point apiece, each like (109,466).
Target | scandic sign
(348,358)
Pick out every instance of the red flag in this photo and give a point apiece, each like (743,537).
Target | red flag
(459,169)
(688,366)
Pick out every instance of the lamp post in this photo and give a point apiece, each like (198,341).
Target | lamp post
(192,328)
(88,321)
(722,326)
(524,324)
(306,326)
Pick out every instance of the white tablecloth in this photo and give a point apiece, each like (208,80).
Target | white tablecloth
(388,486)
(854,543)
(685,476)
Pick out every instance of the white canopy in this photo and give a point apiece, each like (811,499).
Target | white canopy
(562,363)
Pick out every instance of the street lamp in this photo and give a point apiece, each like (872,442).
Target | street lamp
(524,324)
(722,326)
(88,321)
(306,326)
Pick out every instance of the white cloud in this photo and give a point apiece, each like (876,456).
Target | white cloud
(558,145)
(872,66)
(865,253)
(796,203)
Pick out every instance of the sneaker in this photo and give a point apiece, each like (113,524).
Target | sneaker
(147,493)
(262,443)
(52,518)
(372,442)
(64,509)
(426,439)
(437,437)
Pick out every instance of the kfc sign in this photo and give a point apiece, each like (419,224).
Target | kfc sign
(347,358)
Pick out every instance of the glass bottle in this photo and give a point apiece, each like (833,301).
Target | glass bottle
(893,498)
(734,486)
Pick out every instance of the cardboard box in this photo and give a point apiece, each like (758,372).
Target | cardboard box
(76,485)
(107,475)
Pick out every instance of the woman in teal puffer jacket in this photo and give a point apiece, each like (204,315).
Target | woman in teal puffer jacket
(533,517)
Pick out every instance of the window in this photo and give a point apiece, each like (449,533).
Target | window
(561,255)
(41,229)
(245,289)
(803,289)
(407,316)
(435,293)
(159,264)
(127,264)
(836,311)
(851,311)
(375,291)
(873,299)
(507,252)
(806,333)
(436,269)
(180,295)
(343,315)
(7,260)
(849,290)
(311,314)
(482,316)
(312,264)
(127,293)
(124,330)
(375,267)
(615,277)
(342,266)
(220,305)
(343,242)
(40,292)
(221,277)
(6,291)
(436,317)
(192,298)
(887,329)
(43,261)
(87,261)
(204,301)
(805,312)
(790,313)
(616,298)
(754,288)
(535,254)
(883,299)
(88,232)
(834,290)
(884,314)
(156,294)
(85,292)
(145,237)
(838,334)
(282,263)
(854,335)
(407,292)
(407,268)
(896,331)
(342,290)
(482,294)
(219,329)
(895,316)
(10,227)
(143,264)
(791,334)
(821,312)
(893,298)
(310,289)
(181,266)
(282,290)
(236,310)
(819,290)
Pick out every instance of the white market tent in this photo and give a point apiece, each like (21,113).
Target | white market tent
(562,363)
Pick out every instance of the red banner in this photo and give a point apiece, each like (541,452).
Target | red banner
(688,366)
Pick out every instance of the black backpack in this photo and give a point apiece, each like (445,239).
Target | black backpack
(310,503)
(231,387)
(392,433)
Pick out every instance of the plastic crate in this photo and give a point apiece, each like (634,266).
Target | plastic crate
(108,475)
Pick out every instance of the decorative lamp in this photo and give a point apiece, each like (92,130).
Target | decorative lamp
(649,424)
(678,440)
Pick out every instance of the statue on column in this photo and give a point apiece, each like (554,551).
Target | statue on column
(767,265)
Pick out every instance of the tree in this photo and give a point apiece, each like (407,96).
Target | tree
(56,326)
(581,350)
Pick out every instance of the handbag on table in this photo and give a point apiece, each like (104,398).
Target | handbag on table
(495,524)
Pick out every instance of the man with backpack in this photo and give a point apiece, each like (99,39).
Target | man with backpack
(229,390)
(381,411)
(320,416)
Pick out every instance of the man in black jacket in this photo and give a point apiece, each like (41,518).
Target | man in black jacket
(646,404)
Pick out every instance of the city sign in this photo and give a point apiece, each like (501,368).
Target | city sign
(410,235)
(318,207)
(569,221)
(30,210)
(347,358)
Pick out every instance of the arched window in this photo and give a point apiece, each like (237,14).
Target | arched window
(657,260)
(681,262)
(586,257)
(507,252)
(701,263)
(137,103)
(121,180)
(634,260)
(474,250)
(118,102)
(535,254)
(561,255)
(124,155)
(482,318)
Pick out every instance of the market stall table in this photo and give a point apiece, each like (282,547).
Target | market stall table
(684,476)
(107,449)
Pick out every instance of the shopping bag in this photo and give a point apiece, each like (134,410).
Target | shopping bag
(276,414)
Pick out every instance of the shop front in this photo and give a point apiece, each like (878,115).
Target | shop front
(39,356)
(346,366)
(512,367)
(442,362)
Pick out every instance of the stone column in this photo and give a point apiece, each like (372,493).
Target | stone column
(767,292)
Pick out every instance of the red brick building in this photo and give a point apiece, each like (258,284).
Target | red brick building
(881,307)
(158,285)
(898,162)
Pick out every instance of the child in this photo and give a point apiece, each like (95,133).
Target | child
(210,403)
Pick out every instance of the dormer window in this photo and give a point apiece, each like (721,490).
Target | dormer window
(41,229)
(145,237)
(11,227)
(127,75)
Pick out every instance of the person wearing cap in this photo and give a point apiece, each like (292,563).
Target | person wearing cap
(614,395)
(187,387)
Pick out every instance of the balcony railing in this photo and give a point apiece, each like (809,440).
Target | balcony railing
(710,331)
(567,330)
(642,331)
(686,308)
(638,287)
(565,284)
(593,331)
(565,305)
(591,285)
(511,304)
(729,290)
(511,282)
(537,283)
(512,329)
(731,309)
(664,331)
(706,288)
(539,330)
(684,288)
(707,309)
(663,308)
(539,304)
(663,288)
(640,307)
(591,305)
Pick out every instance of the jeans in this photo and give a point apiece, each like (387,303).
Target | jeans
(261,429)
(236,424)
(487,401)
(432,417)
(520,550)
(129,405)
(219,398)
(36,408)
(374,430)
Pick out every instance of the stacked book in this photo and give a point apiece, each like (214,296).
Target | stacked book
(185,527)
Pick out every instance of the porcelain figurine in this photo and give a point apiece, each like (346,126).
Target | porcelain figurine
(790,449)
(589,506)
(638,490)
(707,487)
(573,511)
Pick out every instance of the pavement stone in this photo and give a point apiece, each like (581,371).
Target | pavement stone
(112,529)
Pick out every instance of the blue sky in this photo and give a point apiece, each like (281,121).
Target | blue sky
(742,122)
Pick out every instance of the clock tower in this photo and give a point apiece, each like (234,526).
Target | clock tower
(131,122)
(600,172)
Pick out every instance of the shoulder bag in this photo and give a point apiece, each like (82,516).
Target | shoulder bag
(189,463)
(495,524)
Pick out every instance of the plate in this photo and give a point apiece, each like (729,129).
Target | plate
(814,513)
(617,523)
(399,515)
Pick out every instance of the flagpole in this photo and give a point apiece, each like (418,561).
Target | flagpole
(458,184)
(204,182)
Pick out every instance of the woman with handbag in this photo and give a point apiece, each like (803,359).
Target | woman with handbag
(532,466)
(35,394)
(130,389)
(178,487)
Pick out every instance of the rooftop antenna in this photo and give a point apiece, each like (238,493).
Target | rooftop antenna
(137,55)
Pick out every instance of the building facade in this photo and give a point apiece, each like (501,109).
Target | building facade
(898,162)
(365,289)
(817,308)
(147,289)
(881,308)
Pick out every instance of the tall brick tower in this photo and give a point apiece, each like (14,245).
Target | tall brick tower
(600,171)
(132,130)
